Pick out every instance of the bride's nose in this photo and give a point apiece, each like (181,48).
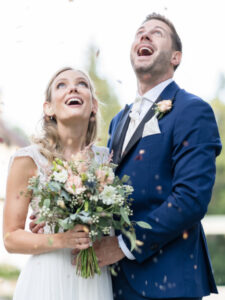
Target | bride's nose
(73,88)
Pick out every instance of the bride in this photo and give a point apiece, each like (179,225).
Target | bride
(69,125)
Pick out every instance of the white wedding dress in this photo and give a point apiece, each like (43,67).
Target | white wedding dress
(51,276)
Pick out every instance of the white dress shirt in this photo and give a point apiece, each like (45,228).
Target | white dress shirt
(147,101)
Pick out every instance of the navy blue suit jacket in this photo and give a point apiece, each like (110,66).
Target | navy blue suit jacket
(173,181)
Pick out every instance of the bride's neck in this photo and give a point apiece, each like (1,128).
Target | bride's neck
(72,139)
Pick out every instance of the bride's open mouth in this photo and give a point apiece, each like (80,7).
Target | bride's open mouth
(74,101)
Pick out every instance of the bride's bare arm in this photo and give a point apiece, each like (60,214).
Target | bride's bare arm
(16,239)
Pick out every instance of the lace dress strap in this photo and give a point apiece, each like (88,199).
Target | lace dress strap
(33,152)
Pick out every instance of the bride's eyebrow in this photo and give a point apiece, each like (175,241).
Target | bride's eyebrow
(60,80)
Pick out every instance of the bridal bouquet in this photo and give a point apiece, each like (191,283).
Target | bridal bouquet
(83,191)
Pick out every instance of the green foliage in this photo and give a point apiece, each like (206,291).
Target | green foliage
(216,246)
(217,204)
(9,272)
(109,103)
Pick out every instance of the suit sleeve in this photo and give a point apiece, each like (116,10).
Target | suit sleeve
(195,147)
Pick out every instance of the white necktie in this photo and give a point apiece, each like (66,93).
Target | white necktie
(134,121)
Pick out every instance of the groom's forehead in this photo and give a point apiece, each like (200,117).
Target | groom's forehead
(154,23)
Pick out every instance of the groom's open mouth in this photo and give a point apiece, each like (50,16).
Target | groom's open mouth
(74,101)
(145,51)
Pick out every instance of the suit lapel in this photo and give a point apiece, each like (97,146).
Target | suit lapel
(119,135)
(168,93)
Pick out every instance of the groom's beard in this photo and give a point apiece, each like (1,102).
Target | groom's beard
(157,67)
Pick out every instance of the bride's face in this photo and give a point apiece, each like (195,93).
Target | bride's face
(71,98)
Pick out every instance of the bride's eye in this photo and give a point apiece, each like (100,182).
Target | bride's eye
(60,85)
(83,83)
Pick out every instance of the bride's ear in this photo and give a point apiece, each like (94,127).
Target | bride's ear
(94,106)
(48,110)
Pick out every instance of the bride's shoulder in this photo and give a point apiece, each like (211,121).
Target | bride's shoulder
(101,153)
(31,151)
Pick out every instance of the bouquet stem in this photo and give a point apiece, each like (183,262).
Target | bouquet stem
(87,263)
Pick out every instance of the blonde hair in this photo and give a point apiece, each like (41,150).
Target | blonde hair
(49,142)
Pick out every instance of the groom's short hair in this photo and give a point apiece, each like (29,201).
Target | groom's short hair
(176,41)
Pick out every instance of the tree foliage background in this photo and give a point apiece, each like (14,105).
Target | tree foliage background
(109,104)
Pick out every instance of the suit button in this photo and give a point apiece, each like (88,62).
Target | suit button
(154,247)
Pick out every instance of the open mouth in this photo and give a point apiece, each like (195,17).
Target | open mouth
(74,101)
(144,51)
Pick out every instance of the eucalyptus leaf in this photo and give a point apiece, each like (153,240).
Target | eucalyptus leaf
(143,224)
(54,186)
(47,203)
(124,215)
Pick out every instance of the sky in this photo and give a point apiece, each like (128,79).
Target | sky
(39,37)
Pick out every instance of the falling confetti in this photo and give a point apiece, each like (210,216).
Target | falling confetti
(6,235)
(159,188)
(156,176)
(138,157)
(139,243)
(50,241)
(1,140)
(97,53)
(142,151)
(195,267)
(132,276)
(185,143)
(146,282)
(143,293)
(185,235)
(169,204)
(69,141)
(119,81)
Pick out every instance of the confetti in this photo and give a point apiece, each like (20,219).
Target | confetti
(185,143)
(50,241)
(143,293)
(142,151)
(119,81)
(139,243)
(132,276)
(156,176)
(169,204)
(97,53)
(195,267)
(138,157)
(69,141)
(155,260)
(146,282)
(185,235)
(6,235)
(159,188)
(1,140)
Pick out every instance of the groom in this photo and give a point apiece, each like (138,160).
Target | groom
(168,150)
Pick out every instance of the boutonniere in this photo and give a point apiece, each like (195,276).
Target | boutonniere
(162,108)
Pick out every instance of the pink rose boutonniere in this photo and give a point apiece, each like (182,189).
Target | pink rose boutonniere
(163,107)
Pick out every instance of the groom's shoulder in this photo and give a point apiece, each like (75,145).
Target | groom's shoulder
(187,100)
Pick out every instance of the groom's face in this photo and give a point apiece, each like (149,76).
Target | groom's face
(152,50)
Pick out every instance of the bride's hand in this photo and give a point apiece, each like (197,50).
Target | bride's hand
(76,238)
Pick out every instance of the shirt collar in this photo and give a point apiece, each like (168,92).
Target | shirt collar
(154,93)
